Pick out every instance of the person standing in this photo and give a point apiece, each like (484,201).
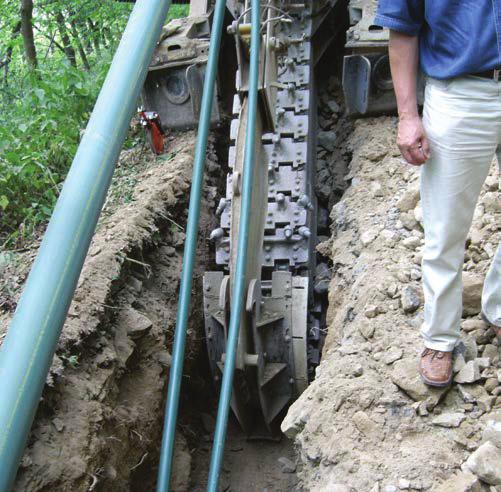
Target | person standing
(457,44)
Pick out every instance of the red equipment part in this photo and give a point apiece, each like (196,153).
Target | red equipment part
(150,121)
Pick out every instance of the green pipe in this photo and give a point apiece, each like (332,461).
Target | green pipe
(28,349)
(190,249)
(239,287)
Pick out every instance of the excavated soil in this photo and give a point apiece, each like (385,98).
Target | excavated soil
(367,423)
(98,423)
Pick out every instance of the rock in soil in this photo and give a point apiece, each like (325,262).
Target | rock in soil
(458,363)
(469,373)
(406,376)
(136,324)
(485,462)
(472,393)
(492,432)
(449,419)
(472,293)
(462,482)
(392,355)
(287,465)
(410,300)
(473,324)
(327,140)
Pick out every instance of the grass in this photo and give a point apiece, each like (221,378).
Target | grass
(177,11)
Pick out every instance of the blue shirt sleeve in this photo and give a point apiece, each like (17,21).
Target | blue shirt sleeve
(406,16)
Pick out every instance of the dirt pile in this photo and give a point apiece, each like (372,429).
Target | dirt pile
(98,423)
(367,423)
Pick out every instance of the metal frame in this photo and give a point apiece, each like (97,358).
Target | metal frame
(239,287)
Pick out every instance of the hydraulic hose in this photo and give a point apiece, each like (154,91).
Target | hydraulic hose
(239,287)
(28,348)
(190,247)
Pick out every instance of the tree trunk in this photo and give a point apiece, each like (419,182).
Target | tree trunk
(8,54)
(81,50)
(84,32)
(27,33)
(107,37)
(87,36)
(68,49)
(94,36)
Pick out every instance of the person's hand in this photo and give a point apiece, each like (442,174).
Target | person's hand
(412,140)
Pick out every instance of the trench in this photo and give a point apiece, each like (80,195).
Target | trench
(113,397)
(252,465)
(248,464)
(259,465)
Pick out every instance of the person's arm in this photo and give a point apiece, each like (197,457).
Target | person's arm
(404,60)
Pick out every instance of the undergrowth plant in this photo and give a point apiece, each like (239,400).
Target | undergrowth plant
(43,110)
(39,134)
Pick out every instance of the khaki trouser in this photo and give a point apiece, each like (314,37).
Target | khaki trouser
(462,119)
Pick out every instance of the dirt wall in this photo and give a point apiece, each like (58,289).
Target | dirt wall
(99,420)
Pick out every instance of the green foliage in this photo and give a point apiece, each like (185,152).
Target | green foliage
(38,138)
(42,113)
(177,11)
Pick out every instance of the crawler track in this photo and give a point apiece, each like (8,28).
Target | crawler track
(281,339)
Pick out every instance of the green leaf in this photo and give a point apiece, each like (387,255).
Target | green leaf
(40,93)
(4,202)
(41,114)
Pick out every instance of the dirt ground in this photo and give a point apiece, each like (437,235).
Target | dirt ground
(248,465)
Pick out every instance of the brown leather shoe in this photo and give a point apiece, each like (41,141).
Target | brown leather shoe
(435,368)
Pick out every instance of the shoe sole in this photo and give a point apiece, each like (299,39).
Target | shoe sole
(435,384)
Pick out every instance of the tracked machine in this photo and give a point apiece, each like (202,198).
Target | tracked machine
(282,325)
